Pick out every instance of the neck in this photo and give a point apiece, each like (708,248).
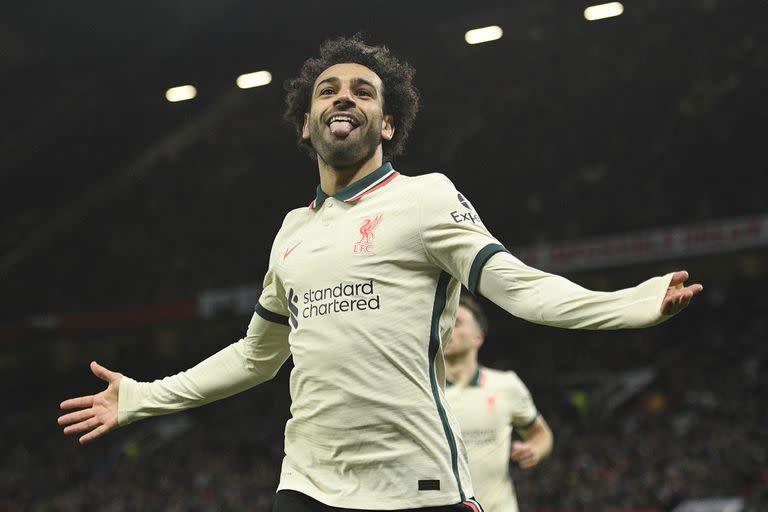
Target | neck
(333,179)
(461,368)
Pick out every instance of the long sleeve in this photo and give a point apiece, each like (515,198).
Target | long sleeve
(552,300)
(240,366)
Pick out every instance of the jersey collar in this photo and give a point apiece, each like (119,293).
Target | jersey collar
(360,188)
(477,379)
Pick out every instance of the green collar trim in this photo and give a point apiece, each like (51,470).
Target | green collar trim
(476,378)
(359,188)
(475,381)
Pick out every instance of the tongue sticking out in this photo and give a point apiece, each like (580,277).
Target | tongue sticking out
(341,128)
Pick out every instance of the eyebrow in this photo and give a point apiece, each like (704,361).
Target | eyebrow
(355,82)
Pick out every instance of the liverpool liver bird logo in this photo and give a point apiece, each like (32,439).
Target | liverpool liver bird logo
(367,229)
(365,244)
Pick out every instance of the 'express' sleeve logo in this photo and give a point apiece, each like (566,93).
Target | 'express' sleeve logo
(465,216)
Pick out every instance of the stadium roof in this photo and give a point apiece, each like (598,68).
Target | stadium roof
(660,106)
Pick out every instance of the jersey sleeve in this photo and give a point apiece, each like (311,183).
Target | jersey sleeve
(252,360)
(524,411)
(272,305)
(452,232)
(553,300)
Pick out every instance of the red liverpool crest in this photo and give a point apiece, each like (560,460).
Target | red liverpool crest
(365,244)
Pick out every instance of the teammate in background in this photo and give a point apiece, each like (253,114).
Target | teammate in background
(361,290)
(489,404)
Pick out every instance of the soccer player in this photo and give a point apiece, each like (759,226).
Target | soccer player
(489,404)
(361,291)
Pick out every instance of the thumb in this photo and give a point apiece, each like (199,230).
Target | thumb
(103,373)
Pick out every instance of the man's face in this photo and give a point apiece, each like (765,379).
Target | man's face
(346,121)
(466,335)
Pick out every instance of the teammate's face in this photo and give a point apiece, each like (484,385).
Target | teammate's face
(467,335)
(346,122)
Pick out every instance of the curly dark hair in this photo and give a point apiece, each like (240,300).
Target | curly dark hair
(401,99)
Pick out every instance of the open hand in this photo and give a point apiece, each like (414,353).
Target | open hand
(98,413)
(678,296)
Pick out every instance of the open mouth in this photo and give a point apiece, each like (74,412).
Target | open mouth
(341,125)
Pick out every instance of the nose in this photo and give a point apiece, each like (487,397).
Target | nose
(344,97)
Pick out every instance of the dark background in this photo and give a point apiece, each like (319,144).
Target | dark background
(113,200)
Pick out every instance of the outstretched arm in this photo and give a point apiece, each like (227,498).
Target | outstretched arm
(97,413)
(455,239)
(242,365)
(553,300)
(537,444)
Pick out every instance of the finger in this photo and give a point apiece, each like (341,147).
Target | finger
(525,461)
(673,302)
(677,303)
(83,426)
(103,373)
(79,402)
(520,454)
(75,416)
(679,277)
(674,306)
(682,299)
(94,434)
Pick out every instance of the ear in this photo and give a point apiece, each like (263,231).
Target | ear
(479,340)
(305,128)
(388,127)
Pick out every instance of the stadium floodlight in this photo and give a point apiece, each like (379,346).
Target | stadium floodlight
(483,35)
(602,11)
(256,79)
(180,93)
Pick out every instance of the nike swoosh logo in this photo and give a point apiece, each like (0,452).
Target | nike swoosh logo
(289,251)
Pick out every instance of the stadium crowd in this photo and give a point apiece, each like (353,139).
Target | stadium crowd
(698,430)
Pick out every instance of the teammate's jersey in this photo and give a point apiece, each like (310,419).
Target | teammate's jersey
(362,291)
(488,408)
